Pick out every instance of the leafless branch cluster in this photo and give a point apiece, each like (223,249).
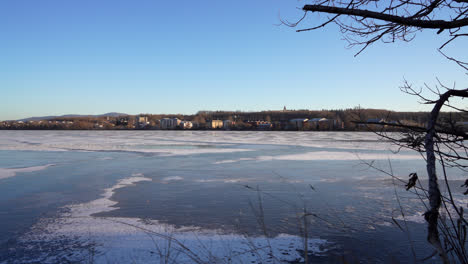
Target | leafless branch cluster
(363,22)
(450,136)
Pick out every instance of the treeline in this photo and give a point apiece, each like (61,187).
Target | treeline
(348,117)
(345,118)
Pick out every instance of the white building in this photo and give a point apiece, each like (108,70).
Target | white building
(186,125)
(170,123)
(213,124)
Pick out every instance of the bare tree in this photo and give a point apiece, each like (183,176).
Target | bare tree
(362,23)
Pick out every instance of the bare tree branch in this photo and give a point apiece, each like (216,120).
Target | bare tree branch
(406,21)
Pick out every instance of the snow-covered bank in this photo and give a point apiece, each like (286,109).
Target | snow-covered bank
(77,235)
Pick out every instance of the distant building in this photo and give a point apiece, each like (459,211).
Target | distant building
(326,124)
(170,123)
(322,124)
(264,126)
(195,125)
(164,123)
(298,123)
(256,123)
(122,121)
(186,125)
(227,124)
(213,124)
(314,123)
(142,119)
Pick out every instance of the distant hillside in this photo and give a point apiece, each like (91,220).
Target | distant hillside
(37,118)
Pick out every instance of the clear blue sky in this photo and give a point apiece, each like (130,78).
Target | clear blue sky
(141,56)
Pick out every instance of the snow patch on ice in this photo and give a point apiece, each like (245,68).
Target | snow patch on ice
(106,158)
(383,223)
(104,204)
(172,178)
(416,218)
(11,172)
(227,180)
(233,161)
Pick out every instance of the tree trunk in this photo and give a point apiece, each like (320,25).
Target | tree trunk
(432,215)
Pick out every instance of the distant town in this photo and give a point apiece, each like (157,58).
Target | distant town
(355,119)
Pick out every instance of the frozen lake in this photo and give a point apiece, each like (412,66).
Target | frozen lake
(206,197)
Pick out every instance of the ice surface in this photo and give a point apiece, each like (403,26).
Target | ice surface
(78,235)
(328,155)
(184,142)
